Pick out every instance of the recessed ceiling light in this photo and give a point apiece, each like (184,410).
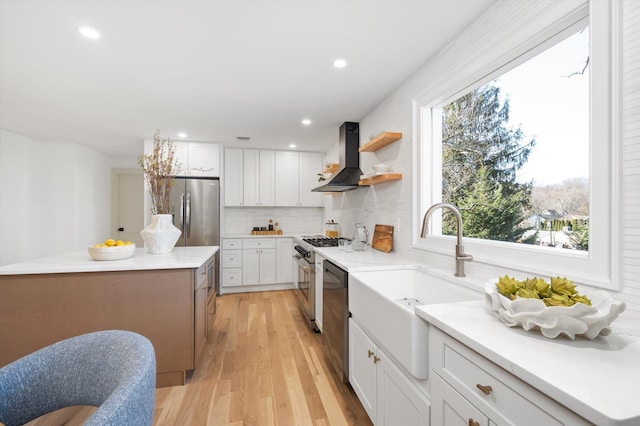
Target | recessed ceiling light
(182,135)
(292,145)
(306,121)
(339,63)
(89,32)
(243,138)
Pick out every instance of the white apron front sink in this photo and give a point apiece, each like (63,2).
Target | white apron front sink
(384,301)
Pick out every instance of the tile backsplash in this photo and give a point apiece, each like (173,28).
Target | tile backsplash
(292,220)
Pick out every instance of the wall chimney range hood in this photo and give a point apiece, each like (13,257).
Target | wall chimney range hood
(348,175)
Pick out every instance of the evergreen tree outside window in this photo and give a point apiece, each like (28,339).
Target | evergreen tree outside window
(486,170)
(475,61)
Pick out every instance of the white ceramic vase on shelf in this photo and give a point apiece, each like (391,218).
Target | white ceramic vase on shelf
(160,236)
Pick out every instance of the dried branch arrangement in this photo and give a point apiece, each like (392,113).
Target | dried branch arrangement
(160,169)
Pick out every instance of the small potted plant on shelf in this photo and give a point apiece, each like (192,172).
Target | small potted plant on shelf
(160,168)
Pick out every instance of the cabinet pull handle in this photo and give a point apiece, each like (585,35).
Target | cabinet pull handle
(370,354)
(375,359)
(485,389)
(473,423)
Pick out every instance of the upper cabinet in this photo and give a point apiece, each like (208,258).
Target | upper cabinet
(259,188)
(287,180)
(233,177)
(271,178)
(198,158)
(296,174)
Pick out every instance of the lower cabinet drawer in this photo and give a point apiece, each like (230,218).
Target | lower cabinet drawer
(231,258)
(231,277)
(259,243)
(498,394)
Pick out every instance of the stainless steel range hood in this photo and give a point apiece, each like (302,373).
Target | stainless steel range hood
(348,175)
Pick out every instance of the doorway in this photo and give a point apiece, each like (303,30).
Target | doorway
(128,211)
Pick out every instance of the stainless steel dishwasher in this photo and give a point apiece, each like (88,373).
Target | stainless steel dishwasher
(335,316)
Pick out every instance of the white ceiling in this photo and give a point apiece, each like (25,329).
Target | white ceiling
(213,69)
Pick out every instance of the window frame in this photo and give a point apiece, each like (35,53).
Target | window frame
(601,265)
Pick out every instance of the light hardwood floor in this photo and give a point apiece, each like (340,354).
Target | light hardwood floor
(263,366)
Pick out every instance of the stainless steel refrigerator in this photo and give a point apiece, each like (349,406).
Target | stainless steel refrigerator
(195,205)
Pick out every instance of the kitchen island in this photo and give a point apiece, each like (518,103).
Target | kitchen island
(161,296)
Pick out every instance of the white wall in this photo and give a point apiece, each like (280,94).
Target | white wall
(391,203)
(54,197)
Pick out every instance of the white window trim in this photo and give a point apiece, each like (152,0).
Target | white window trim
(602,265)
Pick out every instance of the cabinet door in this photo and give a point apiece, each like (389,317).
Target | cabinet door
(267,178)
(200,312)
(284,262)
(362,369)
(448,407)
(287,180)
(251,165)
(233,178)
(310,166)
(251,267)
(204,159)
(267,266)
(399,402)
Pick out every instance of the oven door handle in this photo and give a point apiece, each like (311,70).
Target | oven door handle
(302,263)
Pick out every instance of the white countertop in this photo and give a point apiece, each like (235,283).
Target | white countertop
(248,235)
(598,379)
(367,259)
(80,261)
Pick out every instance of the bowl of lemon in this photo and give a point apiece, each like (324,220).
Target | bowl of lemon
(112,250)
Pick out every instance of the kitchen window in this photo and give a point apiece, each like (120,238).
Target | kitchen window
(597,266)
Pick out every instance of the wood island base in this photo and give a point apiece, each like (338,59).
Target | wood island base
(165,305)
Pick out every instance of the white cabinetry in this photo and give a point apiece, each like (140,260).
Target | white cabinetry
(468,389)
(295,176)
(284,266)
(287,180)
(386,393)
(259,261)
(231,263)
(233,177)
(259,188)
(198,158)
(271,178)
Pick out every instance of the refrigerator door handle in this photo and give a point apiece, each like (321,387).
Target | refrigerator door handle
(187,223)
(181,223)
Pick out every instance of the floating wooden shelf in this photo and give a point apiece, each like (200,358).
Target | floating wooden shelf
(387,177)
(331,168)
(380,141)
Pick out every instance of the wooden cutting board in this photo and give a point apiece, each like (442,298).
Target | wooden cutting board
(383,238)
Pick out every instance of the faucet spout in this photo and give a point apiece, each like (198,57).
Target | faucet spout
(461,256)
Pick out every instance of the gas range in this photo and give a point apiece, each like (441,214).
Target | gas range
(321,241)
(305,244)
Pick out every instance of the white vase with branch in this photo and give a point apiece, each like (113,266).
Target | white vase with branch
(160,168)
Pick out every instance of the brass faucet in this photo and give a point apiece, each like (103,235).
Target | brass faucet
(461,256)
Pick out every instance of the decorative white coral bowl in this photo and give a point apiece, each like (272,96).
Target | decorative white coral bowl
(552,321)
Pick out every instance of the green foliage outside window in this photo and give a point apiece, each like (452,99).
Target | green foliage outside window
(480,156)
